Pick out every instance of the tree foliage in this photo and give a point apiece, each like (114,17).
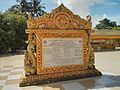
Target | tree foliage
(13,24)
(106,24)
(117,28)
(33,6)
(12,31)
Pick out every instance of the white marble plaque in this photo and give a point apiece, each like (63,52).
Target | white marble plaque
(62,51)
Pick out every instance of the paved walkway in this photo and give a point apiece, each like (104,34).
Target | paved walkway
(11,69)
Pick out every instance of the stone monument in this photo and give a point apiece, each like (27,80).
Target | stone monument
(59,48)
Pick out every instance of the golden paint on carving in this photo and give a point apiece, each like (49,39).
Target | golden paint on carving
(35,78)
(60,18)
(60,34)
(60,23)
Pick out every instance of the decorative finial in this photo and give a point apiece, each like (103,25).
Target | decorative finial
(88,18)
(62,5)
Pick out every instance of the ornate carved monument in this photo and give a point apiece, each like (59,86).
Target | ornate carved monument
(59,48)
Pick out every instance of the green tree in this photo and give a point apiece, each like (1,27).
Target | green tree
(2,44)
(12,31)
(38,8)
(14,9)
(34,6)
(106,24)
(113,24)
(13,24)
(116,28)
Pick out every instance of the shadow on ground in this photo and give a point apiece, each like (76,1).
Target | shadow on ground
(105,81)
(107,50)
(11,54)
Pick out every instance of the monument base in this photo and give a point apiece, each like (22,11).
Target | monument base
(56,77)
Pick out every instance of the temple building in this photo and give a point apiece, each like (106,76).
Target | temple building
(105,39)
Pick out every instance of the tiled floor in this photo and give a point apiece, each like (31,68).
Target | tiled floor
(10,74)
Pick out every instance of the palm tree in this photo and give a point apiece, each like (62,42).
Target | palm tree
(14,8)
(38,7)
(33,6)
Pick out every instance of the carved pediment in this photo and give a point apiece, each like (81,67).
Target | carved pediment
(60,18)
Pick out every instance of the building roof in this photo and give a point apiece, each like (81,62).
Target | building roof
(106,32)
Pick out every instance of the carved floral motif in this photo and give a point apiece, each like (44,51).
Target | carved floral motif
(60,34)
(60,18)
(60,23)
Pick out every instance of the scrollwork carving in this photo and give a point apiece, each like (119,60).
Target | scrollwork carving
(63,20)
(60,34)
(30,58)
(91,58)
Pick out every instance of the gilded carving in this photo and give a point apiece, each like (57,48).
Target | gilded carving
(60,23)
(30,58)
(91,59)
(58,34)
(60,18)
(43,79)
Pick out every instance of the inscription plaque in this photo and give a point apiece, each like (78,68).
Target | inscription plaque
(62,51)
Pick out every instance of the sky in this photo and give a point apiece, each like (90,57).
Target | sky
(98,9)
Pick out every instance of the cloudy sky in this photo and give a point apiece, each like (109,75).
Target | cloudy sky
(98,9)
